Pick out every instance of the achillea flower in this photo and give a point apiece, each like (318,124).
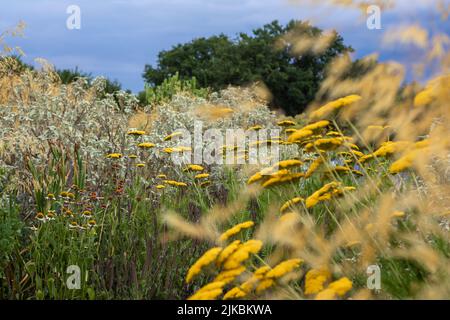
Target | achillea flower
(227,251)
(160,186)
(316,126)
(161,176)
(206,295)
(132,156)
(234,293)
(114,156)
(325,144)
(287,164)
(341,286)
(321,194)
(286,123)
(209,292)
(398,214)
(201,176)
(327,294)
(206,259)
(228,276)
(334,106)
(254,178)
(242,254)
(250,284)
(235,230)
(146,145)
(283,268)
(175,183)
(290,130)
(264,284)
(136,133)
(280,179)
(205,183)
(334,134)
(387,149)
(299,135)
(255,128)
(290,203)
(315,279)
(173,135)
(140,165)
(313,167)
(406,161)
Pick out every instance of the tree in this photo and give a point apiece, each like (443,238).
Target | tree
(219,61)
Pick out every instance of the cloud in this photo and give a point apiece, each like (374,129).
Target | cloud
(119,37)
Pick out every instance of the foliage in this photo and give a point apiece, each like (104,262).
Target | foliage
(216,62)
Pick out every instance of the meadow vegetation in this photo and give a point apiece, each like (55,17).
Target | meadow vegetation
(87,179)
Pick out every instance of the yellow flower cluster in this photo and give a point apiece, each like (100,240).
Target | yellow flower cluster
(315,280)
(333,106)
(290,203)
(206,259)
(236,229)
(325,193)
(335,289)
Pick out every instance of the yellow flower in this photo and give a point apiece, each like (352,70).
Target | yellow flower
(160,186)
(173,135)
(175,183)
(288,164)
(264,285)
(280,179)
(250,284)
(227,251)
(92,223)
(202,176)
(313,167)
(161,176)
(236,229)
(205,183)
(206,259)
(315,279)
(316,126)
(334,134)
(228,276)
(254,178)
(136,133)
(209,292)
(114,156)
(341,286)
(234,293)
(290,203)
(321,194)
(334,106)
(398,214)
(327,294)
(208,295)
(242,254)
(140,165)
(324,144)
(299,135)
(286,123)
(387,149)
(283,268)
(255,128)
(290,130)
(132,156)
(146,145)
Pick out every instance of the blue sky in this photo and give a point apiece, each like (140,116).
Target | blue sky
(118,37)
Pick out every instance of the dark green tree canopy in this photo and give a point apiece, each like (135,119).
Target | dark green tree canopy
(219,61)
